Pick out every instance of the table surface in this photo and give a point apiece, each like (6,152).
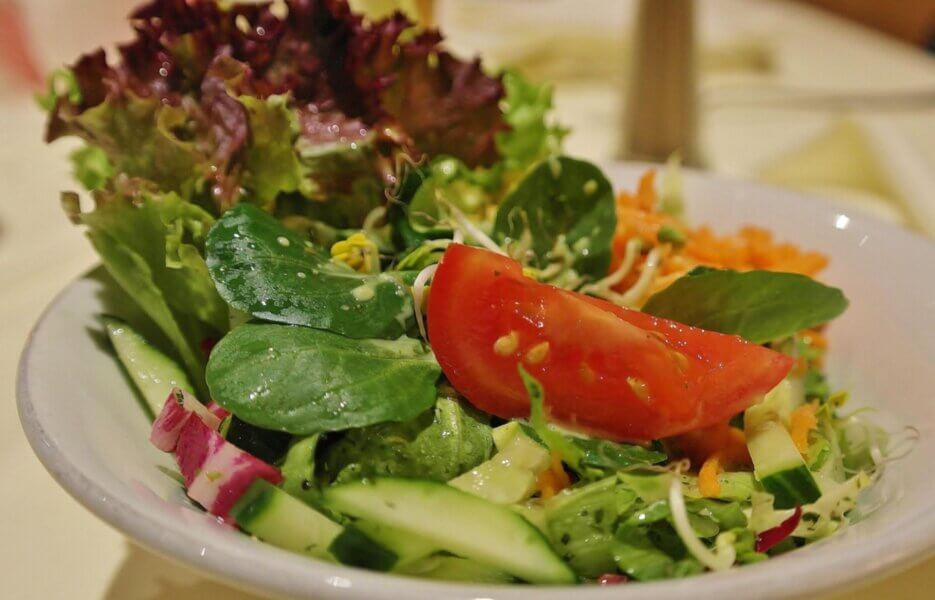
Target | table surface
(52,547)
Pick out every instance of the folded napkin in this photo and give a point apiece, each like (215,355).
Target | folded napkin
(862,161)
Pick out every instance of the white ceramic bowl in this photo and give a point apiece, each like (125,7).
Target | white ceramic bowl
(82,420)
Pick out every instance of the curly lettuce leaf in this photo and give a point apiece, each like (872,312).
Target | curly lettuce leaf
(91,167)
(152,245)
(271,165)
(169,235)
(140,138)
(189,103)
(135,277)
(531,136)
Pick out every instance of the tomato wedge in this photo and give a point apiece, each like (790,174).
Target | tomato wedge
(606,370)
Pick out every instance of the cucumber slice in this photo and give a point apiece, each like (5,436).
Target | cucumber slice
(456,522)
(274,516)
(153,373)
(406,546)
(453,568)
(510,475)
(353,547)
(777,463)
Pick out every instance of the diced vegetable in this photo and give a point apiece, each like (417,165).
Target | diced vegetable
(510,475)
(777,462)
(216,472)
(457,522)
(176,410)
(771,537)
(274,516)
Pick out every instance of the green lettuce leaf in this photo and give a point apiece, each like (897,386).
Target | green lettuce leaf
(142,138)
(91,167)
(264,269)
(531,137)
(606,456)
(565,206)
(306,381)
(760,306)
(133,274)
(439,444)
(169,235)
(271,164)
(538,420)
(639,553)
(582,521)
(151,244)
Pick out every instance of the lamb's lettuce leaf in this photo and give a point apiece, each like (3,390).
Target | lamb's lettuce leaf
(760,306)
(265,269)
(562,206)
(306,381)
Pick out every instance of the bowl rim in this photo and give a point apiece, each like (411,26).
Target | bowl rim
(292,574)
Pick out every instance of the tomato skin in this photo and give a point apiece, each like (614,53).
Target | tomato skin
(606,370)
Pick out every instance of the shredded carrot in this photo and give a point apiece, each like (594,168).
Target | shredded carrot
(801,422)
(815,338)
(546,484)
(554,479)
(708,477)
(750,248)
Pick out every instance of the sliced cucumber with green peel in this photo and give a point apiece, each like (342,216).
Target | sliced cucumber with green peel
(153,373)
(277,518)
(274,516)
(354,547)
(456,522)
(453,568)
(406,546)
(776,461)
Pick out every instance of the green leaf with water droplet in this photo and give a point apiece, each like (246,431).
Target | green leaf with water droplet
(561,198)
(306,381)
(262,268)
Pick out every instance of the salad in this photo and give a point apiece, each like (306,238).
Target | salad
(389,324)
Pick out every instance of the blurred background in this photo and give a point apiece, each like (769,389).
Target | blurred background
(835,97)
